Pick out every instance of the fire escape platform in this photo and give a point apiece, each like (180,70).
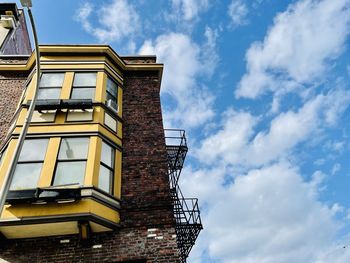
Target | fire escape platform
(186,210)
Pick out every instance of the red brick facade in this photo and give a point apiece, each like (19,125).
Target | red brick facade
(11,87)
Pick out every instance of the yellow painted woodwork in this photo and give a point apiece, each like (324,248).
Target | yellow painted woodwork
(31,87)
(101,80)
(72,67)
(70,128)
(118,174)
(40,230)
(48,229)
(67,85)
(78,58)
(7,159)
(120,102)
(22,116)
(93,163)
(48,168)
(53,209)
(119,129)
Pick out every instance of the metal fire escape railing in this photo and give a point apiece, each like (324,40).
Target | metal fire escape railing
(186,210)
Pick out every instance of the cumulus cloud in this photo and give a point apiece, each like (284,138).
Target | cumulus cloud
(297,49)
(238,12)
(189,9)
(268,215)
(237,143)
(184,63)
(115,21)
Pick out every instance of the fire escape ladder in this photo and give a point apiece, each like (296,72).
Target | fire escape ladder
(186,210)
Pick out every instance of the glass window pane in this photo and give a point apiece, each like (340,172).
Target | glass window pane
(34,150)
(110,97)
(83,93)
(84,79)
(107,155)
(70,173)
(105,179)
(112,87)
(73,148)
(51,93)
(26,176)
(51,80)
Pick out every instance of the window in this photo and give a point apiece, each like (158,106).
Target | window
(105,180)
(29,165)
(50,86)
(84,86)
(112,94)
(71,161)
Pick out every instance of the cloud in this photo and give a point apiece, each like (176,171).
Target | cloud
(185,62)
(297,49)
(238,12)
(114,21)
(189,9)
(268,215)
(237,142)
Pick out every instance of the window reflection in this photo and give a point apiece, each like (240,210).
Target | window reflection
(29,166)
(71,161)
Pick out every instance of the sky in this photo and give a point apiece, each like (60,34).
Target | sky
(262,89)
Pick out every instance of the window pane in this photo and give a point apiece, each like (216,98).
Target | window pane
(105,179)
(83,93)
(73,148)
(51,80)
(84,79)
(110,97)
(51,93)
(34,150)
(70,173)
(112,87)
(26,176)
(107,155)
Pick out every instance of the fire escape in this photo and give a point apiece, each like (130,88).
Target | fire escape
(186,211)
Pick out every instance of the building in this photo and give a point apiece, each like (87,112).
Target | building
(96,181)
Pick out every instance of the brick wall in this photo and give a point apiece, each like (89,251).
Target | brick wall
(11,87)
(147,223)
(139,244)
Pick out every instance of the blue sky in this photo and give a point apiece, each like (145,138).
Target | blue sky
(262,89)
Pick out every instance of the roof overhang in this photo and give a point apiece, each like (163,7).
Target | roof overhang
(85,50)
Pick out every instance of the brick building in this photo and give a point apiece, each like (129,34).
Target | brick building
(97,176)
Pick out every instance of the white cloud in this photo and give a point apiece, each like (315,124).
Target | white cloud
(298,47)
(238,12)
(268,215)
(189,9)
(237,143)
(115,21)
(336,168)
(184,63)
